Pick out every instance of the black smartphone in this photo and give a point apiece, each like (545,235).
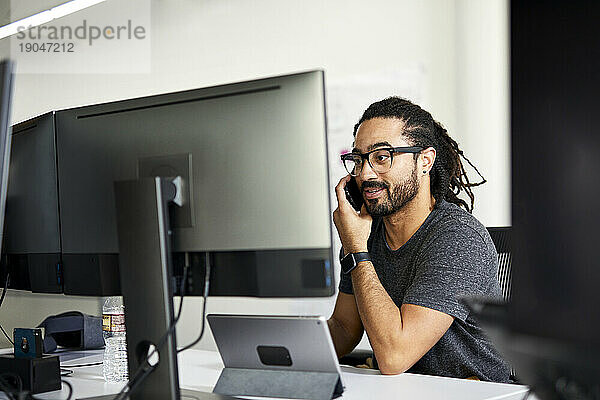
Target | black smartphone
(353,194)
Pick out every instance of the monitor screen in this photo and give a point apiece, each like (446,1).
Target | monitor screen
(253,158)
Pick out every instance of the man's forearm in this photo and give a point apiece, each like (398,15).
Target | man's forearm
(380,316)
(343,341)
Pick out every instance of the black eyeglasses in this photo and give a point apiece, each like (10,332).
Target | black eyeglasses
(380,160)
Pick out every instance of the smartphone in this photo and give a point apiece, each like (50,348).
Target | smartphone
(353,194)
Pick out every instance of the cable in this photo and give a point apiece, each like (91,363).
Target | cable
(16,378)
(527,394)
(145,368)
(5,388)
(5,287)
(65,371)
(1,301)
(6,334)
(135,383)
(82,365)
(204,295)
(70,389)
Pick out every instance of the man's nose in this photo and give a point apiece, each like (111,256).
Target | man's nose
(367,172)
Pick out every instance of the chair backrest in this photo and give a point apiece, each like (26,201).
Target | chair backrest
(501,237)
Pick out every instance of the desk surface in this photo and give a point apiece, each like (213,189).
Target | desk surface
(199,370)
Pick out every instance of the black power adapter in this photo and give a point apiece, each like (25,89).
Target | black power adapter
(27,367)
(37,375)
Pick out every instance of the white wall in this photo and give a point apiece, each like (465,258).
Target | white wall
(198,43)
(482,102)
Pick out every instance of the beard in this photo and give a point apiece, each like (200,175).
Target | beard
(397,196)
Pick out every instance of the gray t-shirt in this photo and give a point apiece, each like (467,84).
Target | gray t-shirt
(451,255)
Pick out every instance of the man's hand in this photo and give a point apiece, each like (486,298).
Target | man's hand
(353,228)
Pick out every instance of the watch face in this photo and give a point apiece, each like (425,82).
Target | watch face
(347,263)
(351,260)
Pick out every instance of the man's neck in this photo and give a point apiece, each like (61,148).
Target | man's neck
(400,226)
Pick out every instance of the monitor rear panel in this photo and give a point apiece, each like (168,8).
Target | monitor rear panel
(556,169)
(32,235)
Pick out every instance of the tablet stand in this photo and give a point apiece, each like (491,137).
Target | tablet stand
(279,383)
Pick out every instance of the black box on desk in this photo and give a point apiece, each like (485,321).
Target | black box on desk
(37,374)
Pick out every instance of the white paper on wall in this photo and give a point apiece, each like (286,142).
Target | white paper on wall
(349,97)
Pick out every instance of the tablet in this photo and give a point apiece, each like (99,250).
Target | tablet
(274,342)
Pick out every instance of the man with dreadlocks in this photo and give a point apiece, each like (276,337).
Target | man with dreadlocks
(412,251)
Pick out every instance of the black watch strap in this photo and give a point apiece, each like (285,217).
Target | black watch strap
(351,260)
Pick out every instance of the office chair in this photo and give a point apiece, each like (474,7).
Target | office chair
(501,238)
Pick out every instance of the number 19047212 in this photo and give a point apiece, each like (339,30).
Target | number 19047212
(47,47)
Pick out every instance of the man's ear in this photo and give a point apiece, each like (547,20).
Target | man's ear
(427,159)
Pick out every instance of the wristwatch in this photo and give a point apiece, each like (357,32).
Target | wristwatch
(352,259)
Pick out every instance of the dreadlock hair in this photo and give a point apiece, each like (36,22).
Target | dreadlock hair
(448,175)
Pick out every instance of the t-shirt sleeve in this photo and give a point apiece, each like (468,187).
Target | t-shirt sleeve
(456,263)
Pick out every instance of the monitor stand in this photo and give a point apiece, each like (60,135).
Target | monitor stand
(146,284)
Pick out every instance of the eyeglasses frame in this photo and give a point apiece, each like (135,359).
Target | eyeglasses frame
(392,150)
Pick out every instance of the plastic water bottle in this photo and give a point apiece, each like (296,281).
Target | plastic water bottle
(115,345)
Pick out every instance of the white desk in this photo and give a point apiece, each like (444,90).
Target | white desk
(199,370)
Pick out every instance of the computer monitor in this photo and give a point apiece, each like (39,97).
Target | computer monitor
(31,246)
(253,157)
(6,84)
(554,316)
